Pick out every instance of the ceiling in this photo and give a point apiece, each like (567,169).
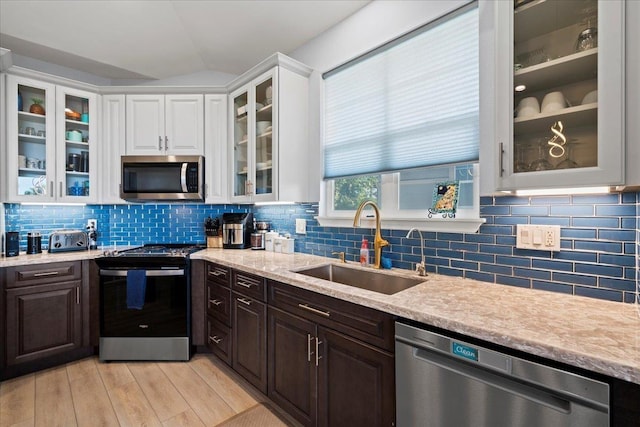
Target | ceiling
(133,39)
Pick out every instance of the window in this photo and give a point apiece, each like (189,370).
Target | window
(402,118)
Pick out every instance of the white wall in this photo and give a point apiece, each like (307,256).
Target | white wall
(373,25)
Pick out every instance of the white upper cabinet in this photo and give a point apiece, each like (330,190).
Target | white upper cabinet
(215,136)
(52,135)
(113,146)
(268,133)
(165,124)
(552,94)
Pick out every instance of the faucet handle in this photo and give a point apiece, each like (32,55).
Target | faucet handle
(340,255)
(421,269)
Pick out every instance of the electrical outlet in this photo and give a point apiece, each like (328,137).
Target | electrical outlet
(301,226)
(92,223)
(540,237)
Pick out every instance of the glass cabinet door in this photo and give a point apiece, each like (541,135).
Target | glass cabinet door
(264,137)
(31,139)
(73,154)
(241,145)
(560,100)
(555,85)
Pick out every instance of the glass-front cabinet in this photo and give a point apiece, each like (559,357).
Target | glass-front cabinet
(49,135)
(558,76)
(253,139)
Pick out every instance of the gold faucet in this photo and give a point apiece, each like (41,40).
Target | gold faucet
(340,255)
(378,241)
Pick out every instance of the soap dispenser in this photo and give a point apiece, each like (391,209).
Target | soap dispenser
(364,253)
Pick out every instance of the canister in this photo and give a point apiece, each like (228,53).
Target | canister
(12,243)
(287,245)
(34,243)
(269,238)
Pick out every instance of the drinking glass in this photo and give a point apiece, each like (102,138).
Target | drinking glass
(541,163)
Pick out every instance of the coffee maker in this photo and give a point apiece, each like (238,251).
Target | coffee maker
(236,230)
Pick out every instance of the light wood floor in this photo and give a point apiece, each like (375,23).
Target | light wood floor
(201,392)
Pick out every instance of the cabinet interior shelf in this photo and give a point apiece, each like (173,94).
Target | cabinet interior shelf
(31,171)
(31,116)
(33,138)
(76,122)
(533,19)
(75,173)
(580,115)
(568,69)
(79,144)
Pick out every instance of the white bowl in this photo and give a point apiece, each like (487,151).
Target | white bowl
(528,107)
(261,127)
(590,98)
(553,101)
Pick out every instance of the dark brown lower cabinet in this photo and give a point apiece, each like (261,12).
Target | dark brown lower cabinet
(325,378)
(219,339)
(249,331)
(43,320)
(356,382)
(292,365)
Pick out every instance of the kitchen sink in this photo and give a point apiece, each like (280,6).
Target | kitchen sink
(371,280)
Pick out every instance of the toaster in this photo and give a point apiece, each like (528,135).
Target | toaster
(68,240)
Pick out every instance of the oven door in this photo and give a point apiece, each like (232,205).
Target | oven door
(160,330)
(163,314)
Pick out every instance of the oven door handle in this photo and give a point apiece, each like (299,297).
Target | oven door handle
(148,273)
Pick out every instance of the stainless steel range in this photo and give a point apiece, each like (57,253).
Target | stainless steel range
(145,303)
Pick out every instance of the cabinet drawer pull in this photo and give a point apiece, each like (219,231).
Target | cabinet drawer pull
(245,284)
(217,273)
(309,352)
(244,301)
(215,302)
(315,310)
(46,273)
(51,189)
(160,143)
(78,295)
(166,143)
(500,160)
(215,339)
(318,357)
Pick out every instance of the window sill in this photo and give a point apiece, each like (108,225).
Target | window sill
(448,225)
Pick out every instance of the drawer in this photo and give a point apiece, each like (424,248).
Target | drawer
(219,303)
(218,274)
(219,339)
(249,285)
(371,326)
(40,274)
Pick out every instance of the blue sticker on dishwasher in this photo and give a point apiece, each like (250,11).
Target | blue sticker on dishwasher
(464,351)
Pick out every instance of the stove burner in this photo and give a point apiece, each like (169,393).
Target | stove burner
(155,250)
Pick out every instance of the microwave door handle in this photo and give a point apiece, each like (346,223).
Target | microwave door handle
(183,177)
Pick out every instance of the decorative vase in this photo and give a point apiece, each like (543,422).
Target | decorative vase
(36,109)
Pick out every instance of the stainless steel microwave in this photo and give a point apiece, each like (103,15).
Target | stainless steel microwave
(163,178)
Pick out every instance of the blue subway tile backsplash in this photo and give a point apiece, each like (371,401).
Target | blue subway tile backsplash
(600,238)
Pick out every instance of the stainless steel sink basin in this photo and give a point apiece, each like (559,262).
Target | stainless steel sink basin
(371,280)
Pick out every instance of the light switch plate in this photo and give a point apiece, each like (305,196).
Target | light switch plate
(539,237)
(301,226)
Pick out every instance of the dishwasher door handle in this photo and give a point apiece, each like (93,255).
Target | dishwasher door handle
(525,391)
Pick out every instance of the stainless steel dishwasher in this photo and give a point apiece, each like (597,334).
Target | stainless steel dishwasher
(442,382)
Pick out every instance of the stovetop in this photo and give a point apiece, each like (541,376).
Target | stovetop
(151,256)
(160,250)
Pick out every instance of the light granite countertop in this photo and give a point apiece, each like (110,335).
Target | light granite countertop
(45,257)
(592,334)
(599,336)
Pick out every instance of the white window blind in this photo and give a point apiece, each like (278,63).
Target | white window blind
(408,104)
